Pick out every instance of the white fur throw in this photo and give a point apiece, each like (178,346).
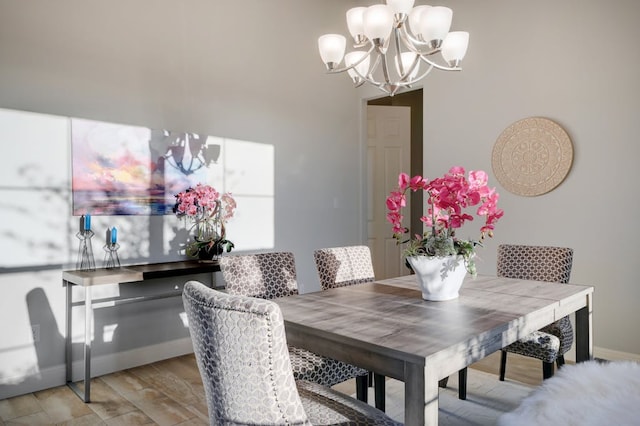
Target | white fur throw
(588,393)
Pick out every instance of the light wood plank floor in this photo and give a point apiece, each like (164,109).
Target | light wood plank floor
(170,392)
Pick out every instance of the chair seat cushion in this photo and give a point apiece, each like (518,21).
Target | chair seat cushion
(325,406)
(563,330)
(319,369)
(540,345)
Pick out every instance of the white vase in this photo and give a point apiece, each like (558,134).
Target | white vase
(439,278)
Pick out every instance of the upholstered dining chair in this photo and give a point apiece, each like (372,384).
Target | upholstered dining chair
(343,266)
(539,263)
(241,351)
(271,275)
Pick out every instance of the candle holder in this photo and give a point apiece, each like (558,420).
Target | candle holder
(111,259)
(85,260)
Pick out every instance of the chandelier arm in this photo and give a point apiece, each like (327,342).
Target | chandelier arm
(385,68)
(381,88)
(373,68)
(418,78)
(411,43)
(438,66)
(415,45)
(369,77)
(413,66)
(355,64)
(396,39)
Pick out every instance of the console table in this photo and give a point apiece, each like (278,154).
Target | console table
(124,274)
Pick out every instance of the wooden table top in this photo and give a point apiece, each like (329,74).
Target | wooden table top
(390,316)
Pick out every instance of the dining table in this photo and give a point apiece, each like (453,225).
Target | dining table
(387,327)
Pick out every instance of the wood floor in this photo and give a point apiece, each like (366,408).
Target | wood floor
(169,392)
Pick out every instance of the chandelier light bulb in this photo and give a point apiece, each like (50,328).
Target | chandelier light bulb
(355,23)
(362,68)
(378,22)
(407,58)
(414,19)
(332,47)
(454,47)
(400,7)
(435,24)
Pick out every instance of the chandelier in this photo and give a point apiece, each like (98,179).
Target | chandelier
(395,35)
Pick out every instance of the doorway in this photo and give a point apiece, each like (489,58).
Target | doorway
(413,100)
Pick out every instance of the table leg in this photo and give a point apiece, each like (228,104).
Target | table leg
(379,383)
(584,337)
(414,393)
(431,390)
(420,396)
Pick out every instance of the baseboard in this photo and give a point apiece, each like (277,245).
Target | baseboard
(611,355)
(105,364)
(604,354)
(44,379)
(100,365)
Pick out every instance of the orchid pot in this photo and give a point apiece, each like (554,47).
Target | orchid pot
(439,278)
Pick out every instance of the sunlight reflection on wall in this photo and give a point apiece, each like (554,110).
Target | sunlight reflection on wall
(38,227)
(34,189)
(245,169)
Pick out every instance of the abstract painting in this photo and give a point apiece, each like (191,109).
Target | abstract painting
(130,170)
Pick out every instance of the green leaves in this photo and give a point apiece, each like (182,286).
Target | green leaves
(441,244)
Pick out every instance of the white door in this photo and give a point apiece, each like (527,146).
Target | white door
(388,154)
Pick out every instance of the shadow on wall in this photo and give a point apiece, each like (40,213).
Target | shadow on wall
(48,344)
(122,338)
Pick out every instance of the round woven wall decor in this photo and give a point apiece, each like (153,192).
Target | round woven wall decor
(532,156)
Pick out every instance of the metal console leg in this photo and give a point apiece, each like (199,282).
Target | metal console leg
(67,339)
(88,330)
(88,324)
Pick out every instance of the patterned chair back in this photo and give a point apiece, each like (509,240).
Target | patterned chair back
(263,275)
(343,266)
(242,355)
(539,263)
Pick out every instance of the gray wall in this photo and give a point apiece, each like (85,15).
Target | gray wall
(180,66)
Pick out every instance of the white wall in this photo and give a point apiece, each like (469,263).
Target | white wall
(574,62)
(217,68)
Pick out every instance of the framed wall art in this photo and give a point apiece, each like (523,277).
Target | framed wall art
(130,170)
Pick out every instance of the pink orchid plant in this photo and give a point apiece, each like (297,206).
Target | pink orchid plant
(209,211)
(449,199)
